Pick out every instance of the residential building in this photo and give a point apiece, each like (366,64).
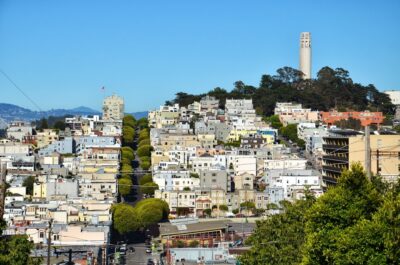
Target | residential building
(214,179)
(18,130)
(336,154)
(113,108)
(366,117)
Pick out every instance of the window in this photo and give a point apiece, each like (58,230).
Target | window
(41,234)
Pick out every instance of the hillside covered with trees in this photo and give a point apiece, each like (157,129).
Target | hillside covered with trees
(332,88)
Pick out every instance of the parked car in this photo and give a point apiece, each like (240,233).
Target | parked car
(148,250)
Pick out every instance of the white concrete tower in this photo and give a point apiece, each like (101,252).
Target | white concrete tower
(305,54)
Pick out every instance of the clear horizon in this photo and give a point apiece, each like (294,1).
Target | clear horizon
(61,54)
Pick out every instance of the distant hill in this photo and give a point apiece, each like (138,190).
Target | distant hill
(10,112)
(139,115)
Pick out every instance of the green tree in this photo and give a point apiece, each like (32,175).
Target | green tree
(125,218)
(248,205)
(290,132)
(146,179)
(186,189)
(274,121)
(149,188)
(144,150)
(28,183)
(144,135)
(128,134)
(143,123)
(16,250)
(124,186)
(354,198)
(223,207)
(126,169)
(145,158)
(350,123)
(144,142)
(207,212)
(43,124)
(152,211)
(278,240)
(145,165)
(127,153)
(59,125)
(129,120)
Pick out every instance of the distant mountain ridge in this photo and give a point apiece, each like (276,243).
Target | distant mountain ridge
(11,112)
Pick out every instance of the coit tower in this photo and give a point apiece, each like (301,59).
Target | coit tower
(305,54)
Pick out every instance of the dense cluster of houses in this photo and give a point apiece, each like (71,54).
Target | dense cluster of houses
(62,184)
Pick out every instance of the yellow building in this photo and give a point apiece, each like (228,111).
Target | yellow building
(46,137)
(385,154)
(236,134)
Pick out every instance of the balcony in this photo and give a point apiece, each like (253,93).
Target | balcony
(337,170)
(341,148)
(336,158)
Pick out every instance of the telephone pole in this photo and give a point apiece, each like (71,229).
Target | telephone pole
(367,153)
(378,172)
(2,187)
(49,240)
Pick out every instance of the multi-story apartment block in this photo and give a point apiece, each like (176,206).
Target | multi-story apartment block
(113,108)
(366,117)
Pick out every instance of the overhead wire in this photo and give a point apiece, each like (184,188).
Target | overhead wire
(20,90)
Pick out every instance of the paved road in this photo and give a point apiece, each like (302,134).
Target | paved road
(139,256)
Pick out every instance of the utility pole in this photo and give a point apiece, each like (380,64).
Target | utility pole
(49,241)
(104,256)
(377,162)
(367,152)
(2,188)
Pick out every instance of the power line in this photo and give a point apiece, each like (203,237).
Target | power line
(20,90)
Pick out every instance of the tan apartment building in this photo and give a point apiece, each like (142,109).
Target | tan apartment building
(385,154)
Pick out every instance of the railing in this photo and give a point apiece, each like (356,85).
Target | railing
(333,169)
(336,158)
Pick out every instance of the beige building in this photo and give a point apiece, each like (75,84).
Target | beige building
(170,140)
(385,150)
(113,108)
(244,181)
(46,137)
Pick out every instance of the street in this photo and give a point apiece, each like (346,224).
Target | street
(140,256)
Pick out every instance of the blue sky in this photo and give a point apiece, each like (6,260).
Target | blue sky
(62,52)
